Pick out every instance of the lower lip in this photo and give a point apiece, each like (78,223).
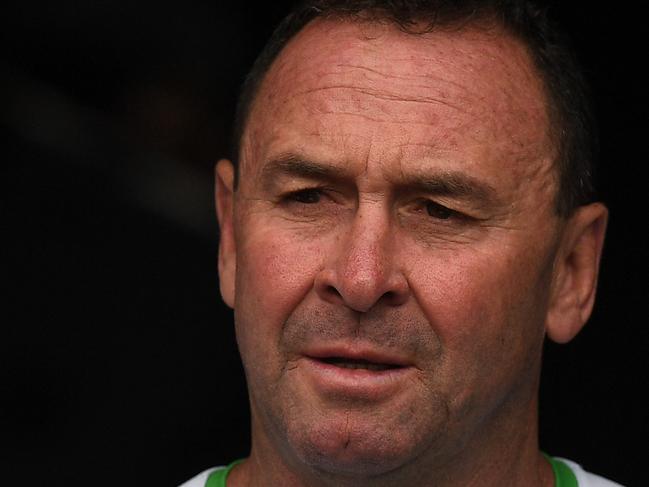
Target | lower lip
(364,384)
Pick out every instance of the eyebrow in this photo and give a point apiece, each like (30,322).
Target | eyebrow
(295,166)
(453,184)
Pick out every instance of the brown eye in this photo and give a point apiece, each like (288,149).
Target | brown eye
(438,211)
(306,196)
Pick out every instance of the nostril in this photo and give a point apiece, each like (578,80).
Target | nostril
(325,286)
(333,292)
(394,298)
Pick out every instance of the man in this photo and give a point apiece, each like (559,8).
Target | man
(408,216)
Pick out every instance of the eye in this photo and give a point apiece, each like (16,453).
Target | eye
(438,211)
(308,196)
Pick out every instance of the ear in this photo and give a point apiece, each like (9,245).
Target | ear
(224,194)
(575,272)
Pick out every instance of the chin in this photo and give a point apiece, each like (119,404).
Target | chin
(361,449)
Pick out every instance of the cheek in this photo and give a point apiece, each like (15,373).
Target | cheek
(484,306)
(485,314)
(274,273)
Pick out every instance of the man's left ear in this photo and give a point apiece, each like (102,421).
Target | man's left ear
(575,273)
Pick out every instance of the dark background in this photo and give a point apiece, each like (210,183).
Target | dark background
(118,363)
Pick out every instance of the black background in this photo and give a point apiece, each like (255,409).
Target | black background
(118,363)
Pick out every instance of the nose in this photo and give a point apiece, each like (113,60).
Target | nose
(363,271)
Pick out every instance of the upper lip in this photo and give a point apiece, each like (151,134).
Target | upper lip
(357,354)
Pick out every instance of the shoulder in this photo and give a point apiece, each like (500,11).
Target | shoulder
(587,479)
(201,478)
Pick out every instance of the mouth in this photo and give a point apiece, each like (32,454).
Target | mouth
(355,364)
(365,375)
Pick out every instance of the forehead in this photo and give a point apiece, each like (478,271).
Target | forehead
(367,90)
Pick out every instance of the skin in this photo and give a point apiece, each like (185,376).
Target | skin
(396,201)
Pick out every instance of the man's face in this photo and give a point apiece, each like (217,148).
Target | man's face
(395,239)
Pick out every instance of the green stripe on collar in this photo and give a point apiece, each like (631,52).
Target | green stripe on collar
(217,478)
(563,474)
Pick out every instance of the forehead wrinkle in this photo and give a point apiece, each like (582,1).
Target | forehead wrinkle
(496,45)
(371,73)
(384,95)
(467,100)
(498,48)
(286,75)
